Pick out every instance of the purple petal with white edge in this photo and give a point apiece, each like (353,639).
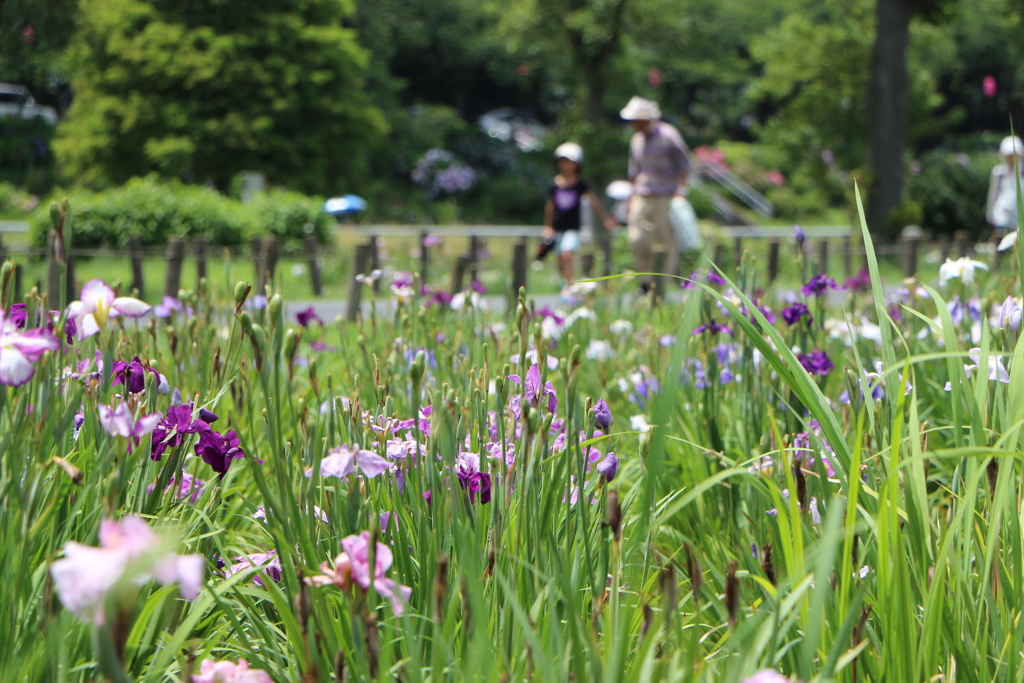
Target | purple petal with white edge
(372,464)
(338,464)
(34,343)
(129,307)
(98,292)
(15,368)
(533,385)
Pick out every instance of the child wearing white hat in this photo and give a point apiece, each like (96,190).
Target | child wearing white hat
(562,211)
(1001,209)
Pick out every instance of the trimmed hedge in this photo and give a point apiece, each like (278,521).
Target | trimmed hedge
(154,211)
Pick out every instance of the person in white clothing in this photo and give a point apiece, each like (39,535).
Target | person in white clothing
(1001,209)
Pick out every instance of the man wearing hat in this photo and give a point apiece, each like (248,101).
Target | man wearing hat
(658,164)
(1001,209)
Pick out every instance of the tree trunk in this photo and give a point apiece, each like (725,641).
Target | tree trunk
(593,81)
(887,108)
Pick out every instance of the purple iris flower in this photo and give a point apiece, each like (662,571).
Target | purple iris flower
(546,312)
(131,373)
(800,236)
(320,346)
(18,315)
(472,479)
(713,327)
(218,450)
(402,279)
(441,298)
(478,287)
(643,390)
(816,362)
(602,415)
(534,391)
(431,241)
(307,316)
(861,282)
(792,314)
(168,307)
(817,285)
(714,278)
(176,423)
(608,467)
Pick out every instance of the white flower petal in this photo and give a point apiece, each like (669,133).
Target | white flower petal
(129,307)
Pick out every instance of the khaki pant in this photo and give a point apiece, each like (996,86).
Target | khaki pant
(649,230)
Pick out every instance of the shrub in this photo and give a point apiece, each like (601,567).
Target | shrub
(152,211)
(26,159)
(952,190)
(286,215)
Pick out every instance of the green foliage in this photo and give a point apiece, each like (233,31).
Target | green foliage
(201,91)
(289,216)
(154,211)
(952,189)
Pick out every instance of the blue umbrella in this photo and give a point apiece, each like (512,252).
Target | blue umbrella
(344,206)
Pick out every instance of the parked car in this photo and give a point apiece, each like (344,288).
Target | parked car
(17,101)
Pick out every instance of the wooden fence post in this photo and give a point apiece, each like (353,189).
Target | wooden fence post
(355,288)
(719,254)
(823,256)
(199,249)
(54,254)
(911,238)
(773,260)
(17,282)
(474,261)
(135,254)
(268,255)
(738,247)
(520,261)
(847,256)
(256,245)
(313,261)
(375,260)
(424,259)
(459,274)
(175,257)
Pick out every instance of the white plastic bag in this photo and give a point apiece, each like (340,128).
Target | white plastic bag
(684,222)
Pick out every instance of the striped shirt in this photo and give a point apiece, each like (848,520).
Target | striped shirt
(656,158)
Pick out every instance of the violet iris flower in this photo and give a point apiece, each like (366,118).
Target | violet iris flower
(608,467)
(219,450)
(792,314)
(176,423)
(800,236)
(602,415)
(816,362)
(119,421)
(714,278)
(817,285)
(342,461)
(861,282)
(307,316)
(533,391)
(1010,315)
(467,469)
(713,327)
(18,315)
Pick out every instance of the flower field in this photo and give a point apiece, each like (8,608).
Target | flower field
(747,485)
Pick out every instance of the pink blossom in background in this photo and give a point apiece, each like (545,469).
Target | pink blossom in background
(766,676)
(776,178)
(230,672)
(989,87)
(654,77)
(98,304)
(19,351)
(129,552)
(353,566)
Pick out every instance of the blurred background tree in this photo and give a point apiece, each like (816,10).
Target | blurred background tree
(446,110)
(203,89)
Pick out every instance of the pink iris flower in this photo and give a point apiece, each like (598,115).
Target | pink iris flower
(19,350)
(98,304)
(342,461)
(353,566)
(119,421)
(129,552)
(229,672)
